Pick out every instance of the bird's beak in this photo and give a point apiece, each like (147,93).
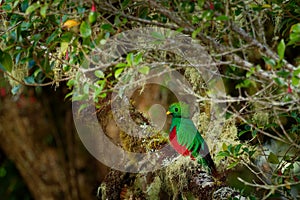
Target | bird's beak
(168,113)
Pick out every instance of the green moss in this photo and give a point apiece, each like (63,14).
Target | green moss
(156,142)
(131,143)
(154,188)
(203,121)
(261,119)
(197,82)
(177,175)
(142,145)
(229,131)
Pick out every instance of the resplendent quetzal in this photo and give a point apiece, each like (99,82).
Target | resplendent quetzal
(186,139)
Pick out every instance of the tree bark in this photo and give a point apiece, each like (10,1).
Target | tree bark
(39,137)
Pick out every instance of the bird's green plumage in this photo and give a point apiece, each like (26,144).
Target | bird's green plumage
(188,135)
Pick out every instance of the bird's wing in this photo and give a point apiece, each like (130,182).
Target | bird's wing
(189,136)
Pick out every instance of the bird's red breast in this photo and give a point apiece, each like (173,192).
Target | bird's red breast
(179,148)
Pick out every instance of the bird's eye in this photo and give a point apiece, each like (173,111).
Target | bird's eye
(176,109)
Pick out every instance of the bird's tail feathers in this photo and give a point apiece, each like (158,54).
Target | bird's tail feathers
(210,164)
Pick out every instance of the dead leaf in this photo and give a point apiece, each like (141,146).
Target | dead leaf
(70,23)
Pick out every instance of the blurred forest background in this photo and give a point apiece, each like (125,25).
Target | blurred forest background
(43,49)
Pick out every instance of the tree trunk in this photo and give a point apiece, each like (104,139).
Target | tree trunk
(39,137)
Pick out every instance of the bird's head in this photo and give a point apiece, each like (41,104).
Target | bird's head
(179,109)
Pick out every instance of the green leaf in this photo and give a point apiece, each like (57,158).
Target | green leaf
(195,19)
(129,59)
(245,84)
(272,158)
(43,11)
(6,7)
(138,58)
(118,72)
(86,88)
(157,35)
(223,154)
(85,30)
(288,159)
(200,3)
(64,46)
(251,153)
(66,67)
(279,81)
(246,149)
(195,33)
(121,65)
(254,133)
(207,15)
(107,27)
(242,132)
(295,28)
(230,149)
(99,90)
(294,38)
(252,70)
(295,81)
(69,94)
(52,36)
(24,5)
(6,62)
(296,72)
(103,95)
(294,34)
(32,8)
(66,37)
(144,70)
(36,38)
(232,165)
(81,107)
(294,114)
(16,3)
(269,61)
(117,20)
(237,150)
(222,18)
(125,3)
(224,147)
(80,97)
(283,73)
(71,83)
(281,49)
(99,74)
(179,30)
(37,72)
